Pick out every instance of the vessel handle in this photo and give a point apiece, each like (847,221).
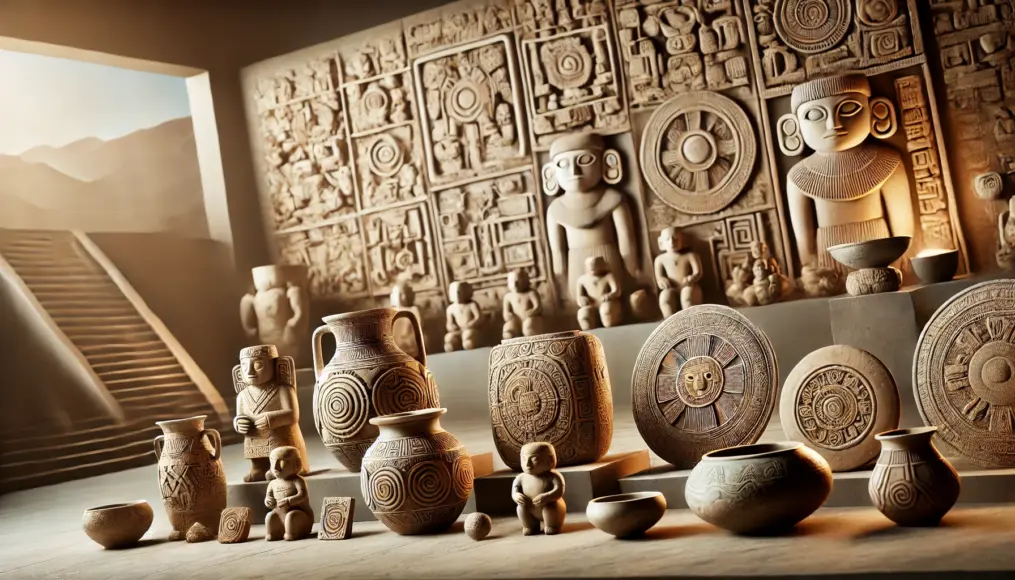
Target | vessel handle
(159,440)
(416,332)
(316,347)
(216,441)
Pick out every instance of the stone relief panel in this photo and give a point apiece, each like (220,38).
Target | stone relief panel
(399,245)
(333,255)
(372,54)
(797,40)
(569,63)
(388,167)
(473,116)
(456,24)
(672,47)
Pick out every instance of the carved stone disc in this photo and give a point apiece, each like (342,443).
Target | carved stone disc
(707,378)
(812,26)
(964,373)
(697,152)
(835,401)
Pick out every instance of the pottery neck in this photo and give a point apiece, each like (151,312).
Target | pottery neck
(412,424)
(364,328)
(915,442)
(190,427)
(550,336)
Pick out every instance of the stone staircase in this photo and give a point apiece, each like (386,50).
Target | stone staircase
(148,374)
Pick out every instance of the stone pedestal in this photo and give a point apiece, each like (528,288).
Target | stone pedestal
(582,483)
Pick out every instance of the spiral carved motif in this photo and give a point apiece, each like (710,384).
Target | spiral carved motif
(336,521)
(386,489)
(343,406)
(234,525)
(385,156)
(812,26)
(567,62)
(401,389)
(463,477)
(902,494)
(429,483)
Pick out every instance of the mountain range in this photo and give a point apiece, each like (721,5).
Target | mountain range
(146,181)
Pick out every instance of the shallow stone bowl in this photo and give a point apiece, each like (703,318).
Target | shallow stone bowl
(626,514)
(935,265)
(118,525)
(758,489)
(872,253)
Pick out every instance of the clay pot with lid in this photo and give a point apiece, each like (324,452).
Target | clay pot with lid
(912,483)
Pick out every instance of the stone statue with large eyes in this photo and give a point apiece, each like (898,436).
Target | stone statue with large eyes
(591,219)
(849,189)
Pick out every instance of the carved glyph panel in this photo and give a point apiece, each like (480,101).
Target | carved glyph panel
(333,255)
(400,246)
(379,104)
(473,121)
(388,167)
(372,54)
(457,24)
(669,48)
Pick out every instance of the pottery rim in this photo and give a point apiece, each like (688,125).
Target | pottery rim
(546,336)
(171,422)
(116,506)
(905,432)
(753,451)
(407,417)
(368,313)
(882,247)
(937,265)
(628,498)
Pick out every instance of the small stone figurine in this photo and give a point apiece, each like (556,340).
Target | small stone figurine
(291,517)
(539,490)
(404,298)
(523,310)
(598,295)
(677,272)
(463,319)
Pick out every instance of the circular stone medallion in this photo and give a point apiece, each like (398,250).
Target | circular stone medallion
(697,152)
(812,26)
(964,373)
(706,378)
(835,400)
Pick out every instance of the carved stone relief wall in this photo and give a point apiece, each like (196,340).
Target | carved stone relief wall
(413,151)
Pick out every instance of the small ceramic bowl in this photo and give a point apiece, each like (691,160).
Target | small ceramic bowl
(626,514)
(878,253)
(118,525)
(933,266)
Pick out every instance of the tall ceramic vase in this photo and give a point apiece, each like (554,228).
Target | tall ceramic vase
(912,483)
(368,376)
(416,477)
(191,478)
(553,388)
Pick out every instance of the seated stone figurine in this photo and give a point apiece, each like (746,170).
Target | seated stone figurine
(463,319)
(598,295)
(677,272)
(291,517)
(522,307)
(1006,237)
(740,280)
(539,490)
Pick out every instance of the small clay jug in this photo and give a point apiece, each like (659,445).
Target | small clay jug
(367,376)
(416,476)
(191,477)
(912,483)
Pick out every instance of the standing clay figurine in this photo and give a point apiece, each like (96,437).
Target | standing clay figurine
(277,312)
(463,318)
(267,408)
(597,292)
(523,310)
(1006,237)
(291,517)
(769,285)
(849,190)
(677,272)
(590,219)
(539,490)
(404,299)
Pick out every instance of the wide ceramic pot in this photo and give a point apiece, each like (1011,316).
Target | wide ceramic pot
(368,376)
(758,488)
(118,525)
(627,514)
(191,478)
(552,388)
(416,476)
(912,483)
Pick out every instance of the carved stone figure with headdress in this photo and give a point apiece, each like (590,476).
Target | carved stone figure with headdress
(267,408)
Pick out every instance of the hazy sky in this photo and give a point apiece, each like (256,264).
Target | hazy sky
(55,101)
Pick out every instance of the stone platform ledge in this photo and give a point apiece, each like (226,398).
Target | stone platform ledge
(337,482)
(849,489)
(582,483)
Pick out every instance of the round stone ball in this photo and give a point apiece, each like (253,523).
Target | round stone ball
(477,526)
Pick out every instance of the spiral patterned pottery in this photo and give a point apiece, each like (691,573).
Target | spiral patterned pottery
(912,484)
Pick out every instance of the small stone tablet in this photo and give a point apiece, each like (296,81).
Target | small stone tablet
(835,400)
(234,525)
(336,518)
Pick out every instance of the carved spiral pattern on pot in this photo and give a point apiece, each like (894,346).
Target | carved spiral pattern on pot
(567,62)
(343,406)
(902,494)
(400,389)
(429,483)
(463,477)
(698,152)
(385,156)
(812,26)
(835,407)
(964,373)
(386,489)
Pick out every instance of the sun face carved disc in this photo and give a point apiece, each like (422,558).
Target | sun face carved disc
(964,373)
(812,26)
(707,378)
(698,152)
(835,400)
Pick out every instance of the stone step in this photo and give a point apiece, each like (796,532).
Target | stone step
(127,357)
(149,379)
(139,371)
(119,348)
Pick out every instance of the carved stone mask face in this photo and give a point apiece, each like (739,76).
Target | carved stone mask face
(835,123)
(257,370)
(578,171)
